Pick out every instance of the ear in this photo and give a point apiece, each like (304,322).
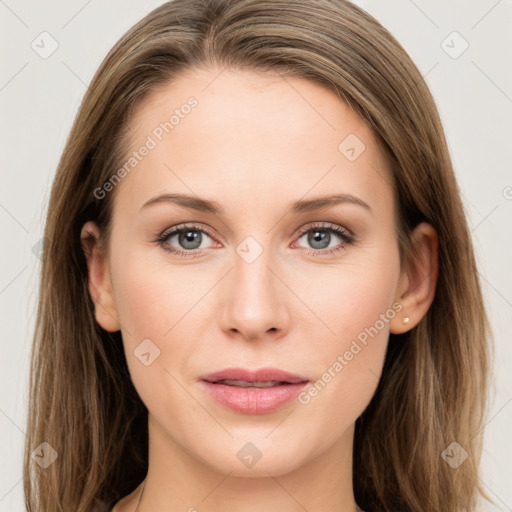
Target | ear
(99,283)
(417,284)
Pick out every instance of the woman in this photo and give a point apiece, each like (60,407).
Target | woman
(258,284)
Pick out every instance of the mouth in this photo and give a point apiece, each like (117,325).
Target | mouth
(253,391)
(245,376)
(245,384)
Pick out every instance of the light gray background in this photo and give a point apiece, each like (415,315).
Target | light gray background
(39,98)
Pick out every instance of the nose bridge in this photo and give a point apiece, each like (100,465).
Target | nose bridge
(254,276)
(255,303)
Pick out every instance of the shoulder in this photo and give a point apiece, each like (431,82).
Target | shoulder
(101,506)
(122,505)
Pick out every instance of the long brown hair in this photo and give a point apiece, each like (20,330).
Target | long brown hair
(433,388)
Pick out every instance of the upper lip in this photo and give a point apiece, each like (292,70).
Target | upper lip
(258,375)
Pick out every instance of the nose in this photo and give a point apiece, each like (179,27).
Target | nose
(255,304)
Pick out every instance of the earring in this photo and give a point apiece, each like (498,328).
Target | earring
(406,320)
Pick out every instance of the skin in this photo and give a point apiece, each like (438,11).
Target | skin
(255,143)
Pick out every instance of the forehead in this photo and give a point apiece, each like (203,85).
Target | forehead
(242,136)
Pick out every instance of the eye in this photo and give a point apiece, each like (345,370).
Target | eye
(325,239)
(189,240)
(184,240)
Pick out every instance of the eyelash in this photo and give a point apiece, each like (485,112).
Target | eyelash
(346,236)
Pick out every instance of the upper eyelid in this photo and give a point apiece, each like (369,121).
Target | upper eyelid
(183,227)
(320,225)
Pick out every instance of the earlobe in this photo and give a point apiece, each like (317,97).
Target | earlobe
(99,283)
(417,284)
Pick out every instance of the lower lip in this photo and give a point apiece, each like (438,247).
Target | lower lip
(252,400)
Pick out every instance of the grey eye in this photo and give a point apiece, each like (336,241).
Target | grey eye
(190,239)
(319,238)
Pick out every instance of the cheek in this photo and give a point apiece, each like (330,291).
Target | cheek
(165,311)
(353,297)
(151,298)
(154,312)
(357,304)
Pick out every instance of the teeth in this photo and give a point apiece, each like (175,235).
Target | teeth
(244,384)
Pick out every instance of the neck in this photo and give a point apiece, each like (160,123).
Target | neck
(178,480)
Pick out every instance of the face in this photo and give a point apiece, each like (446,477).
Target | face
(269,279)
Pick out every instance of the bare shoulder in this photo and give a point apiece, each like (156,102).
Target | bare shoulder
(122,505)
(128,503)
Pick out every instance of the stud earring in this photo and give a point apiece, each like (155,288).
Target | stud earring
(406,320)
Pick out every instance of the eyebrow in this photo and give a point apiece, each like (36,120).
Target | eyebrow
(300,206)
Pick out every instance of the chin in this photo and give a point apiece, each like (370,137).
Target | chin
(254,459)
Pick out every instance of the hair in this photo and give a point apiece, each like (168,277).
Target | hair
(433,388)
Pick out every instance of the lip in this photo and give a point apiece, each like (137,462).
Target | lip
(258,375)
(252,400)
